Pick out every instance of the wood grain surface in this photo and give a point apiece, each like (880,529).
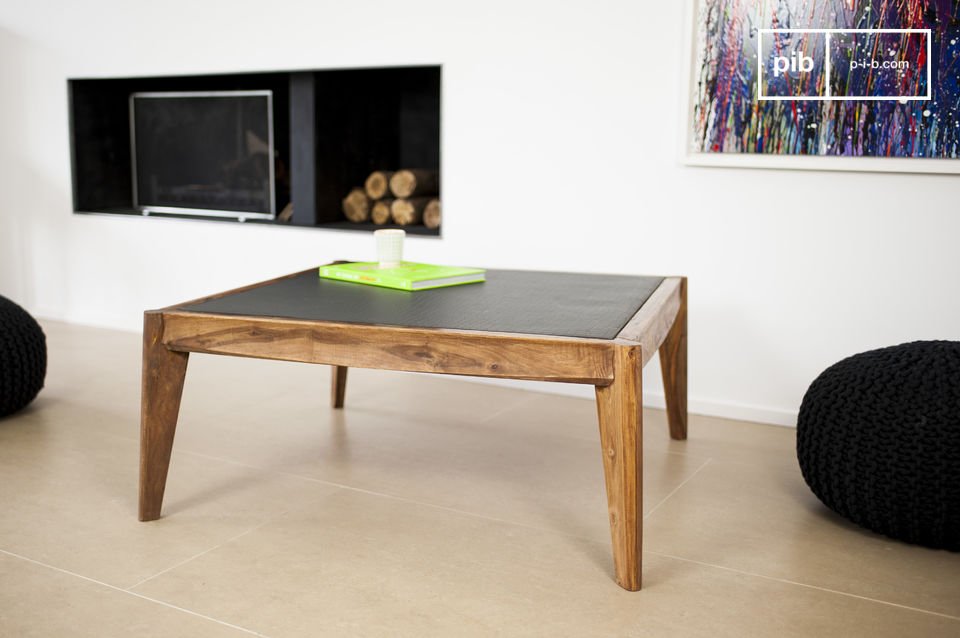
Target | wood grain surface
(650,325)
(619,407)
(338,386)
(673,367)
(482,354)
(164,371)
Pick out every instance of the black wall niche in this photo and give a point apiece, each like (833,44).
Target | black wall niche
(332,128)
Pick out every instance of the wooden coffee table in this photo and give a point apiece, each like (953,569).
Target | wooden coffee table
(566,327)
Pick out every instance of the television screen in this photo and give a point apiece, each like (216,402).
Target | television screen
(207,153)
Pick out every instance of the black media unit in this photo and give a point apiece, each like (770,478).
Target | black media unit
(332,128)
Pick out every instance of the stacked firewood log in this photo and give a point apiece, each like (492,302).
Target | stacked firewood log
(405,197)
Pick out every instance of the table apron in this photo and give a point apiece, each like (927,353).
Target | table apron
(499,355)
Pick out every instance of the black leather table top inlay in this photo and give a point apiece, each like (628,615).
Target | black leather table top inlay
(540,303)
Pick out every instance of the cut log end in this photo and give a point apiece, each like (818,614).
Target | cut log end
(380,213)
(356,206)
(408,211)
(377,185)
(431,214)
(414,181)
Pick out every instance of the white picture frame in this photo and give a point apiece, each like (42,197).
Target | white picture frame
(691,157)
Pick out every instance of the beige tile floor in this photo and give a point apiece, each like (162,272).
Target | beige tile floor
(429,507)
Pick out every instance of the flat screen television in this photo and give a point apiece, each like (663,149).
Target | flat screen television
(203,153)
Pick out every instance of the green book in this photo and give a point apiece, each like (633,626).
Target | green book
(406,276)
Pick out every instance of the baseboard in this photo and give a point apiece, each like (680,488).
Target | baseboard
(103,323)
(48,314)
(654,399)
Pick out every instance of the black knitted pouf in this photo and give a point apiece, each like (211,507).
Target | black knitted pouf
(878,440)
(23,357)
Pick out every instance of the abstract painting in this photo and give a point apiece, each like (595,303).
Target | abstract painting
(843,78)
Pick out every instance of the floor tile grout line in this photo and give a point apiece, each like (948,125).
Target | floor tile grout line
(676,489)
(596,441)
(445,508)
(269,519)
(806,585)
(134,594)
(402,499)
(472,515)
(597,541)
(593,440)
(645,551)
(593,540)
(501,411)
(567,534)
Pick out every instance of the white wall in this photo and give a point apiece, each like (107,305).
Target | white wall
(561,127)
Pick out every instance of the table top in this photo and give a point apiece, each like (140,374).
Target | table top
(512,301)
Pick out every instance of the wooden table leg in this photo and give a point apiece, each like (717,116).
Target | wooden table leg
(621,437)
(163,374)
(338,385)
(673,365)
